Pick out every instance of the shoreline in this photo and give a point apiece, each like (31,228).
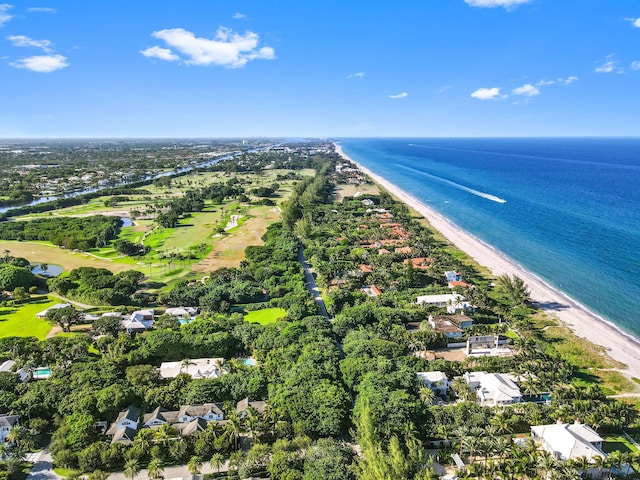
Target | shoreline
(618,345)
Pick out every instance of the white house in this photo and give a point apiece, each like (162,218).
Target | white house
(22,374)
(569,441)
(181,312)
(7,422)
(127,419)
(196,367)
(493,389)
(453,302)
(436,381)
(139,321)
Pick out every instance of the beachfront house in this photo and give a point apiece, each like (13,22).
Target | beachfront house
(436,381)
(493,389)
(453,302)
(566,441)
(452,326)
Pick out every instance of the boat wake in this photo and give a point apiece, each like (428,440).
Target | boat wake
(470,190)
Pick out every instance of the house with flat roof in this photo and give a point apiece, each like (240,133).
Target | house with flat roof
(195,367)
(494,389)
(567,441)
(436,381)
(453,302)
(452,326)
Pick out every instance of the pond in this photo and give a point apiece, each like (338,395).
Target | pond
(52,270)
(126,222)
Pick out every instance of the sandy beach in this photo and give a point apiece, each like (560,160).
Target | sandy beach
(585,324)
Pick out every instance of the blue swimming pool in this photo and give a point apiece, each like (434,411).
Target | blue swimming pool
(41,373)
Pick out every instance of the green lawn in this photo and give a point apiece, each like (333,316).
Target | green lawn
(265,316)
(619,443)
(194,230)
(21,321)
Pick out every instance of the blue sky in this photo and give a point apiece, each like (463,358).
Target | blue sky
(218,68)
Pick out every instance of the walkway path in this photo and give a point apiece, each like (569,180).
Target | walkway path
(42,466)
(311,284)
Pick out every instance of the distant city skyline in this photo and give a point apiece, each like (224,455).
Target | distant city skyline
(203,68)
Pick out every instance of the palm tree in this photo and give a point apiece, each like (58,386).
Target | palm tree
(165,433)
(156,469)
(98,475)
(194,466)
(131,468)
(234,427)
(4,450)
(235,460)
(144,440)
(217,459)
(427,396)
(15,435)
(600,463)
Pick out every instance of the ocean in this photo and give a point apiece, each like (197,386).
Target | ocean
(566,209)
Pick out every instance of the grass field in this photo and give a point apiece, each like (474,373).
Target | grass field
(265,316)
(344,190)
(228,250)
(21,321)
(48,253)
(194,230)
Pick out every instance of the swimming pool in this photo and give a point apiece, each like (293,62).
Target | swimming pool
(41,373)
(250,362)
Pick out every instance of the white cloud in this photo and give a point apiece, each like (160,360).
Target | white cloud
(634,22)
(161,53)
(24,41)
(606,67)
(355,75)
(42,10)
(42,63)
(4,15)
(507,4)
(527,90)
(239,16)
(227,48)
(635,65)
(568,80)
(444,88)
(544,83)
(399,95)
(486,93)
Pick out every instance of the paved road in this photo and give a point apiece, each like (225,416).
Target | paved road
(43,466)
(311,284)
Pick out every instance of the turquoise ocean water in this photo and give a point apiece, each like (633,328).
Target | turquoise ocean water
(566,209)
